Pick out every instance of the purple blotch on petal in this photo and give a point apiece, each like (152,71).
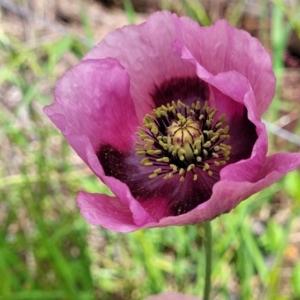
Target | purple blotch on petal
(186,89)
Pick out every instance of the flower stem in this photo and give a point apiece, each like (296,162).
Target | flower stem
(208,259)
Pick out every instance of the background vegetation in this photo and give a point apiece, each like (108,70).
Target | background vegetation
(48,251)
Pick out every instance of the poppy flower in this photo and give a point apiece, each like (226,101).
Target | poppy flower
(171,296)
(168,115)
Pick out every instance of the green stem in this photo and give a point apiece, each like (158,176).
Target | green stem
(208,256)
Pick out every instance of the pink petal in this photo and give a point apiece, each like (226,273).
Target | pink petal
(143,49)
(222,48)
(146,52)
(227,194)
(85,96)
(122,200)
(106,211)
(236,87)
(172,296)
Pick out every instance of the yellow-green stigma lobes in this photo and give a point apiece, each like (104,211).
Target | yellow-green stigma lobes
(178,138)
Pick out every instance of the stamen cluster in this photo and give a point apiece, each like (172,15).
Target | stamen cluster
(178,138)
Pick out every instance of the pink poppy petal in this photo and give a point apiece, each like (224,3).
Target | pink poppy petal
(172,296)
(242,131)
(106,211)
(237,88)
(84,149)
(225,48)
(220,46)
(146,52)
(85,96)
(228,194)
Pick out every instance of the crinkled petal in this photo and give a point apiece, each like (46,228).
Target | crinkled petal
(227,194)
(172,296)
(146,52)
(238,89)
(86,96)
(109,212)
(144,48)
(242,131)
(123,195)
(222,48)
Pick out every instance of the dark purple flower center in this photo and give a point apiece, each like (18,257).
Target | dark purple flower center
(187,143)
(177,138)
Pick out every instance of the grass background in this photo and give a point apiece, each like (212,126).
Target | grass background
(48,251)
